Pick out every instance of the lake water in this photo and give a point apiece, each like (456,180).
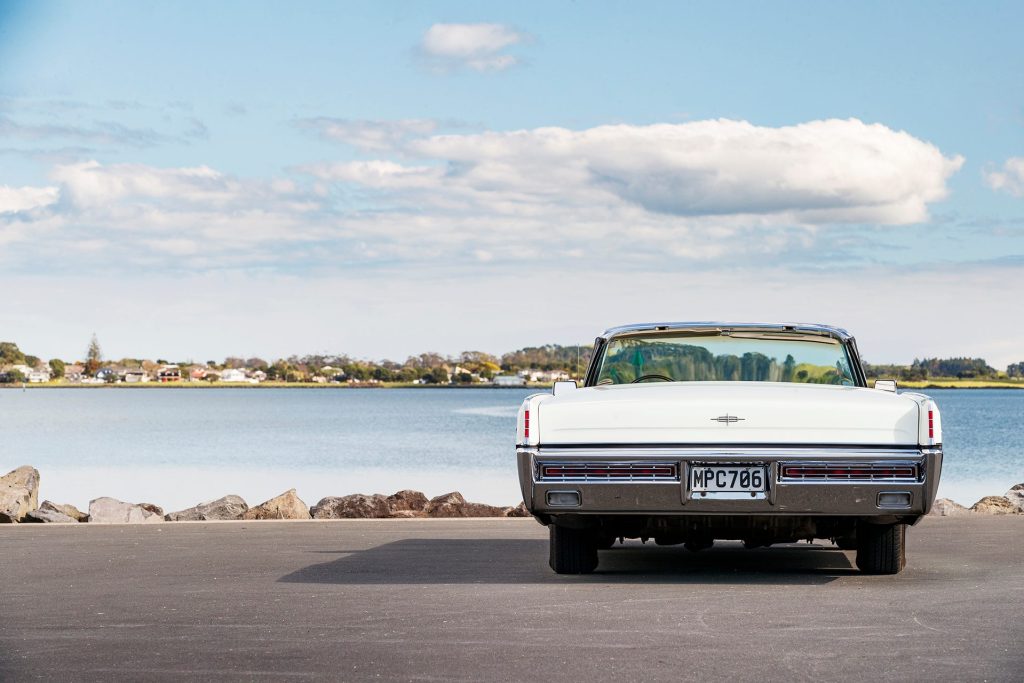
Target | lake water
(176,447)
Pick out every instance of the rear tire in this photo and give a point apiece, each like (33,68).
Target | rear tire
(881,549)
(573,551)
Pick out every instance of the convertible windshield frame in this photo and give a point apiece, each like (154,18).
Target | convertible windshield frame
(774,332)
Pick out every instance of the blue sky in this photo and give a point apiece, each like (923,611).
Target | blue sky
(386,178)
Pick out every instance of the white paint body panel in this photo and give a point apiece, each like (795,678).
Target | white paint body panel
(771,412)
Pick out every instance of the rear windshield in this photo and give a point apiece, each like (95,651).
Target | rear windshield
(720,358)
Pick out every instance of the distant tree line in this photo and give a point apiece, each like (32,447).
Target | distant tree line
(435,368)
(10,355)
(932,368)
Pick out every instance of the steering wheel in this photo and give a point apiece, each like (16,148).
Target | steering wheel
(660,378)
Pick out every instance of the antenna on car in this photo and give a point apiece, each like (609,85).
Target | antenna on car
(577,361)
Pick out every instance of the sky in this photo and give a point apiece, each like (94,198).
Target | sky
(198,180)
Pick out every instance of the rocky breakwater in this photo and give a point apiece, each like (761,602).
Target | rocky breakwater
(405,504)
(1010,503)
(19,495)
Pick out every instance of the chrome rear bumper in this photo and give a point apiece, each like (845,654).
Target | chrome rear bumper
(656,480)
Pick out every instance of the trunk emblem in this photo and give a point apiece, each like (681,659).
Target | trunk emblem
(727,419)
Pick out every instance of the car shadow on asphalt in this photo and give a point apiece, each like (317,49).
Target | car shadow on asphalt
(506,561)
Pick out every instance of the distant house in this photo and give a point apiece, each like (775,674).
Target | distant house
(473,376)
(545,375)
(106,375)
(38,376)
(234,375)
(135,376)
(28,374)
(73,373)
(508,381)
(168,373)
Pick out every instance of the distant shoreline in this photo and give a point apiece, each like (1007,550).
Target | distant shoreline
(961,384)
(937,384)
(262,385)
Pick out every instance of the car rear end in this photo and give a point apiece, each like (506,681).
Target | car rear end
(756,464)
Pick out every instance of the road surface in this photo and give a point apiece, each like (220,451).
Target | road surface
(474,600)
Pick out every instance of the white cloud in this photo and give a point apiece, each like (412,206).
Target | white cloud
(1010,179)
(369,135)
(833,171)
(18,199)
(142,216)
(90,183)
(376,174)
(474,46)
(174,247)
(641,197)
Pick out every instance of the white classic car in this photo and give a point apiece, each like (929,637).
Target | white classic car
(692,432)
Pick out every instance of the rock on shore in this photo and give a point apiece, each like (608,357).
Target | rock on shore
(228,507)
(64,509)
(517,511)
(112,511)
(454,505)
(19,493)
(995,505)
(288,505)
(408,504)
(944,507)
(49,517)
(355,506)
(407,501)
(1016,496)
(377,506)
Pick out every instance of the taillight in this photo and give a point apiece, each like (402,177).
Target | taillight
(849,472)
(931,424)
(596,471)
(526,424)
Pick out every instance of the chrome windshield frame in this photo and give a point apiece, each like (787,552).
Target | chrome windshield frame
(845,338)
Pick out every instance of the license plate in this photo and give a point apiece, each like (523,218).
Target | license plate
(738,478)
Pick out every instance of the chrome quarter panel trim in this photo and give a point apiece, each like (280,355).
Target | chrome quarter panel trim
(524,463)
(773,477)
(933,470)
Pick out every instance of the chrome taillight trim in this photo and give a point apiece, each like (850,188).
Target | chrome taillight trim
(596,472)
(851,471)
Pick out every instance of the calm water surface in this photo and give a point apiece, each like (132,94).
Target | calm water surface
(176,447)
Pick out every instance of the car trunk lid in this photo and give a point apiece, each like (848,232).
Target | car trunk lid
(728,413)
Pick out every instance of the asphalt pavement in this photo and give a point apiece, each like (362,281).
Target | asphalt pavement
(474,600)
